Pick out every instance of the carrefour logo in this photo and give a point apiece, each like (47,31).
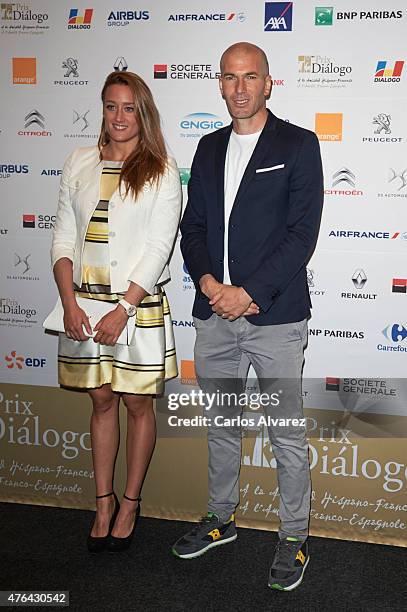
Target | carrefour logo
(396,332)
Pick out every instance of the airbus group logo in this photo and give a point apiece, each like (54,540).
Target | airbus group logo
(124,18)
(278,16)
(196,125)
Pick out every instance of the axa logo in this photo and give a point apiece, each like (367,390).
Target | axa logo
(278,16)
(395,332)
(15,361)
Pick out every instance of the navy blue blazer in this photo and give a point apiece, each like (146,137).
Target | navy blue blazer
(273,226)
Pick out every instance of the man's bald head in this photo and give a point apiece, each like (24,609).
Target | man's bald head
(242,49)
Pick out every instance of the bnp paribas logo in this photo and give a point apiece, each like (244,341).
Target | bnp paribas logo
(324,15)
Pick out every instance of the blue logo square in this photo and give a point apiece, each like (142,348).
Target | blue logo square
(278,16)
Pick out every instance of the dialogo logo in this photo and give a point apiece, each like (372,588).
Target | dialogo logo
(392,74)
(328,126)
(188,375)
(24,71)
(80,22)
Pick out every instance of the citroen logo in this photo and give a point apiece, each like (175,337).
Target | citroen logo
(344,175)
(34,117)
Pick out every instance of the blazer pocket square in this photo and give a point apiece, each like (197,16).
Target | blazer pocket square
(278,167)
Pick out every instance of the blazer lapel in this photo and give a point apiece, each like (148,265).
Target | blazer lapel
(263,144)
(220,155)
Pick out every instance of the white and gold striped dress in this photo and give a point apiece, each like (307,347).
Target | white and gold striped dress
(144,365)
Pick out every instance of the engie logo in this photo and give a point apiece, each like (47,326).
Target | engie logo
(278,16)
(17,362)
(196,125)
(388,75)
(80,22)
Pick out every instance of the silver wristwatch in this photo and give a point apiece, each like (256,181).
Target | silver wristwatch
(129,308)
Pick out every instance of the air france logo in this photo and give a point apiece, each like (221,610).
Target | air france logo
(278,16)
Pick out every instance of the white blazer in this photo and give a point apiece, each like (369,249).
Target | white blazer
(141,231)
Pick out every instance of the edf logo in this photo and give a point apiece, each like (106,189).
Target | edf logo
(18,361)
(278,16)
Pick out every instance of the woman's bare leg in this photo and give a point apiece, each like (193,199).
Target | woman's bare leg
(141,432)
(104,430)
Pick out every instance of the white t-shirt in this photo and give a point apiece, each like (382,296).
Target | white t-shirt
(238,154)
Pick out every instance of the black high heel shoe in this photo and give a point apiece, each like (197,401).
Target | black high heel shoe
(98,544)
(119,544)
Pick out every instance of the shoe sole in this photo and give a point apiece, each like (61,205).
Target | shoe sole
(278,587)
(203,550)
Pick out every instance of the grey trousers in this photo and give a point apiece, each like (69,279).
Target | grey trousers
(223,352)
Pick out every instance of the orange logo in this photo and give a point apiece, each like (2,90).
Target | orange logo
(328,126)
(24,70)
(188,376)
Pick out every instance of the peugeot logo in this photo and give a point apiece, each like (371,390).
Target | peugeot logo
(71,66)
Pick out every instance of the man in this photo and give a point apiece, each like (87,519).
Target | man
(250,225)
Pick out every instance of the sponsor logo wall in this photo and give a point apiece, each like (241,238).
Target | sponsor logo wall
(55,59)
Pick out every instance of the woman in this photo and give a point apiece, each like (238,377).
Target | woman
(117,218)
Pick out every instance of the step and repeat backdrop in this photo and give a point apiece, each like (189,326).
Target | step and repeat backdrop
(338,70)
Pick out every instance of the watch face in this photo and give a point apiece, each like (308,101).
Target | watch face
(131,311)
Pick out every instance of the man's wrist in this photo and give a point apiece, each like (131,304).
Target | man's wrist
(206,282)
